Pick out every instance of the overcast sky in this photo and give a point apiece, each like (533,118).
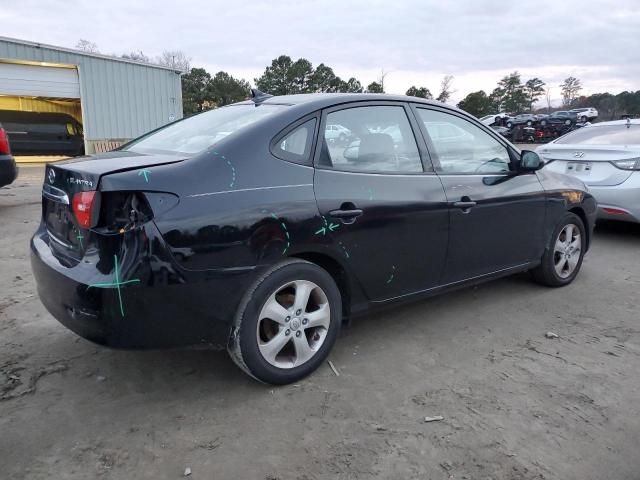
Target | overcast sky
(416,41)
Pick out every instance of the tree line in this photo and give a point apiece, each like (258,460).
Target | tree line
(513,96)
(202,91)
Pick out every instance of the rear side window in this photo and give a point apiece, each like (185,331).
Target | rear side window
(604,135)
(195,134)
(370,139)
(295,146)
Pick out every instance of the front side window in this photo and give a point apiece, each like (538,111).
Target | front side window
(195,134)
(604,135)
(371,139)
(461,147)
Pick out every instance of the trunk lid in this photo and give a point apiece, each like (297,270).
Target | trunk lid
(63,180)
(590,163)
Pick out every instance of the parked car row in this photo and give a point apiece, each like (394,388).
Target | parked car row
(538,133)
(566,117)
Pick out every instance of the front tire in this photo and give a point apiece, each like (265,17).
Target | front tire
(563,256)
(287,323)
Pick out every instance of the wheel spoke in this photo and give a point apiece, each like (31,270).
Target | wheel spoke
(576,244)
(303,291)
(568,235)
(303,351)
(319,318)
(572,262)
(274,346)
(274,311)
(560,245)
(560,267)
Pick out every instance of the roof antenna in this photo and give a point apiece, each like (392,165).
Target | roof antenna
(258,97)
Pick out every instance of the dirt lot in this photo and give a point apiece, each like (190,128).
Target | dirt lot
(516,405)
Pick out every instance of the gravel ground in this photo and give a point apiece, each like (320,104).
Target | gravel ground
(516,405)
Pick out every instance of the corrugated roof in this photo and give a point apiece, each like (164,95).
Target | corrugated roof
(86,54)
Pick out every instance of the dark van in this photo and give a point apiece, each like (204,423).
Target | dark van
(46,133)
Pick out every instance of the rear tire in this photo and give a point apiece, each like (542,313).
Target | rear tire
(278,336)
(563,256)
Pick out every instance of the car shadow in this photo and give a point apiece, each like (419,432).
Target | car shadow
(613,229)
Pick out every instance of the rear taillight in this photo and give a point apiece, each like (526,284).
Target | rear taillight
(82,207)
(632,164)
(4,142)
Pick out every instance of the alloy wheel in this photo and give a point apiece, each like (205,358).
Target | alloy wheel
(293,324)
(567,250)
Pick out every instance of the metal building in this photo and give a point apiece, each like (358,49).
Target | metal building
(114,99)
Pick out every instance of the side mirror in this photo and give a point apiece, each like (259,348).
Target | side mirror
(530,161)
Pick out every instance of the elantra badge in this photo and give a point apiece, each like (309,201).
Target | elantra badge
(52,175)
(578,154)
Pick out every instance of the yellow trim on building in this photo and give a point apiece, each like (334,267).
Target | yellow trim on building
(31,104)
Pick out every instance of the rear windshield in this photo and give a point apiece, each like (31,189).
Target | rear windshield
(195,134)
(604,135)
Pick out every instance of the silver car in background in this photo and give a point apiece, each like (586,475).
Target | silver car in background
(606,157)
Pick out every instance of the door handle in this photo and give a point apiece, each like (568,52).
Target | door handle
(465,205)
(347,216)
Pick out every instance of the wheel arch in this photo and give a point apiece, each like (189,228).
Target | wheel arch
(583,216)
(337,271)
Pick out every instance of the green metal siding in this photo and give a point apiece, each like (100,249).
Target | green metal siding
(120,99)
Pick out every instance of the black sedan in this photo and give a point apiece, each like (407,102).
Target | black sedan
(561,118)
(244,226)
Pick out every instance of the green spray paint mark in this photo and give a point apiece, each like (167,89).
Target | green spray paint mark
(145,172)
(116,284)
(346,254)
(233,172)
(286,232)
(369,192)
(393,269)
(79,237)
(331,226)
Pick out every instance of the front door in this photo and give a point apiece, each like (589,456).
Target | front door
(496,219)
(381,204)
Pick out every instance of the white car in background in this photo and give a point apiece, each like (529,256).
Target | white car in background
(337,133)
(495,118)
(585,114)
(606,157)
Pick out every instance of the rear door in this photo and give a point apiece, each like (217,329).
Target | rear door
(496,220)
(383,208)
